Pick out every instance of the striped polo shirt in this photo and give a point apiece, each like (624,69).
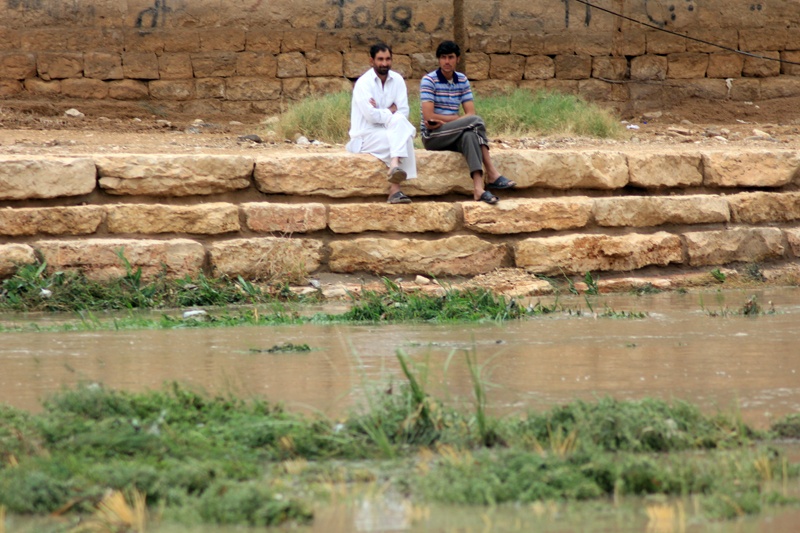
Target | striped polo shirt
(446,95)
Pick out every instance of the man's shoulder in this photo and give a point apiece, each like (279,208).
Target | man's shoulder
(461,77)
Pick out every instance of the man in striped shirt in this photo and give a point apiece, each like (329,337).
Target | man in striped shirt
(442,93)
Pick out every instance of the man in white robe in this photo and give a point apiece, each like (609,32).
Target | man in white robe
(379,121)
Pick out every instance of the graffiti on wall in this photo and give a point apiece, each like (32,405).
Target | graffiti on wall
(396,18)
(153,16)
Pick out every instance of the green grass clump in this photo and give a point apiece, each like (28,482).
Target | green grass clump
(521,113)
(222,460)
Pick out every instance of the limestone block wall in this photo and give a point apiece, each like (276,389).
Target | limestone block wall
(572,212)
(256,56)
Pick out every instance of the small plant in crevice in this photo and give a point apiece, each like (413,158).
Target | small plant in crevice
(718,275)
(591,284)
(753,272)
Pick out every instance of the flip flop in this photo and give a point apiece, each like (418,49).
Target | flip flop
(488,197)
(397,175)
(501,183)
(399,198)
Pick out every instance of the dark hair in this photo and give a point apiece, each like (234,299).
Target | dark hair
(446,48)
(379,47)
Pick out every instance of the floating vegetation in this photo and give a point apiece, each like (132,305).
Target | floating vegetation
(284,348)
(750,308)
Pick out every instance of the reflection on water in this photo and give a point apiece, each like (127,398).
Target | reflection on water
(749,364)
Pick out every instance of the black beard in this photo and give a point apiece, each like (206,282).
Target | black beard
(382,70)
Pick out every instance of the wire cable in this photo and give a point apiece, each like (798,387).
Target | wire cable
(655,27)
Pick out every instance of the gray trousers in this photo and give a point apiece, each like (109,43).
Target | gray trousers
(465,135)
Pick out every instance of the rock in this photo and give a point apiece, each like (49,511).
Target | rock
(251,138)
(266,258)
(76,220)
(738,244)
(203,219)
(657,170)
(197,314)
(643,211)
(761,133)
(314,283)
(73,113)
(650,115)
(269,217)
(173,175)
(408,218)
(30,177)
(13,256)
(527,215)
(749,168)
(421,280)
(302,141)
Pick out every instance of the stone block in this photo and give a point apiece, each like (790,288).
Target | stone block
(728,37)
(266,258)
(98,259)
(629,42)
(792,237)
(410,218)
(573,67)
(334,42)
(644,211)
(329,85)
(291,65)
(506,66)
(756,39)
(665,170)
(143,41)
(687,65)
(402,65)
(295,88)
(601,91)
(102,66)
(749,169)
(744,89)
(56,66)
(298,41)
(140,65)
(179,90)
(252,88)
(527,215)
(649,67)
(490,43)
(725,65)
(285,219)
(539,68)
(586,169)
(762,68)
(324,63)
(209,88)
(186,41)
(764,207)
(577,254)
(464,255)
(733,245)
(13,256)
(783,87)
(263,40)
(17,65)
(84,88)
(175,67)
(10,40)
(10,87)
(214,65)
(659,42)
(709,89)
(28,177)
(566,43)
(173,175)
(423,63)
(610,68)
(205,219)
(787,68)
(476,65)
(38,87)
(527,44)
(38,39)
(77,220)
(222,40)
(128,90)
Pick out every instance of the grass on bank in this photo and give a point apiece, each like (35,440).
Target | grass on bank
(521,113)
(223,460)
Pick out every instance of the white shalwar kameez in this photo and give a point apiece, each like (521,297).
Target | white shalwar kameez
(378,131)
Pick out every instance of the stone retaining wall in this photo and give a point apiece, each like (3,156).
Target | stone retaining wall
(594,210)
(255,56)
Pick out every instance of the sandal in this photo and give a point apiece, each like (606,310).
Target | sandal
(397,175)
(399,198)
(502,182)
(488,197)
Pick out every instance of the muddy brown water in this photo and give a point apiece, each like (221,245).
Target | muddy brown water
(730,363)
(678,352)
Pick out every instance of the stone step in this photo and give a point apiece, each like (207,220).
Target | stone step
(341,175)
(573,212)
